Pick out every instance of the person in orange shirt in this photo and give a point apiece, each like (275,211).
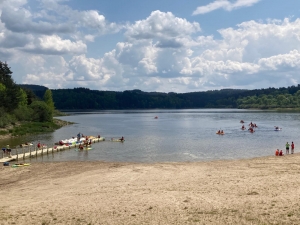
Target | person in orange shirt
(277,152)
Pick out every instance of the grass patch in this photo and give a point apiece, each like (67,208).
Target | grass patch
(34,128)
(3,132)
(37,127)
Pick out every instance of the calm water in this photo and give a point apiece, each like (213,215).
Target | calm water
(177,135)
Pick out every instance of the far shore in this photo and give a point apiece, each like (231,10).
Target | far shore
(261,190)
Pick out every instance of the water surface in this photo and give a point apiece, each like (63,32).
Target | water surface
(177,135)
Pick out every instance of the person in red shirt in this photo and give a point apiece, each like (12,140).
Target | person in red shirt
(277,152)
(280,153)
(293,147)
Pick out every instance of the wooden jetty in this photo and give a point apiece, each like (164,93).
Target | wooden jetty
(41,151)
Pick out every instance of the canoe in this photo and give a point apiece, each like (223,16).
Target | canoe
(220,133)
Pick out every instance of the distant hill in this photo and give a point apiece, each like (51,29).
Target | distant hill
(86,99)
(38,90)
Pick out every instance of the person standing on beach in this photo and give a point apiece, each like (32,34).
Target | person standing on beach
(78,136)
(287,148)
(292,148)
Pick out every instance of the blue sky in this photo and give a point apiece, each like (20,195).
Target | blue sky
(167,45)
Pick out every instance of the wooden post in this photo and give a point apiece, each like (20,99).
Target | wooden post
(48,149)
(36,150)
(17,154)
(30,152)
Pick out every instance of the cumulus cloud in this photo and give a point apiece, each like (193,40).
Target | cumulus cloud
(161,52)
(224,4)
(20,21)
(54,45)
(161,25)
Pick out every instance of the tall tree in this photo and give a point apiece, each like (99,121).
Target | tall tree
(49,100)
(10,100)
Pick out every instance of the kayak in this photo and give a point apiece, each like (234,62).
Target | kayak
(20,165)
(26,145)
(117,140)
(220,133)
(278,129)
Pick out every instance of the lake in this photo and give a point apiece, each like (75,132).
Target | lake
(175,136)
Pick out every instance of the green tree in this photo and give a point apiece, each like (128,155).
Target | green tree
(49,100)
(41,112)
(22,98)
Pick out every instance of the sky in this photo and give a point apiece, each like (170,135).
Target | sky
(159,45)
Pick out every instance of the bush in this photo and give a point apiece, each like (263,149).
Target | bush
(6,119)
(23,113)
(41,112)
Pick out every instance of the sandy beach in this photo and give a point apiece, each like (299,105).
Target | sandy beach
(252,191)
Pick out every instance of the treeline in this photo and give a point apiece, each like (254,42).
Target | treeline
(270,101)
(83,98)
(19,105)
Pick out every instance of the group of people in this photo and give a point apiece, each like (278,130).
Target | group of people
(287,149)
(251,126)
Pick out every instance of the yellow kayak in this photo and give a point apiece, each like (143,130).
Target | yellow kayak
(20,164)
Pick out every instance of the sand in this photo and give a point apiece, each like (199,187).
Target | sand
(253,191)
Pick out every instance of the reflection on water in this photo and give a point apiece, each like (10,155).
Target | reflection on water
(177,135)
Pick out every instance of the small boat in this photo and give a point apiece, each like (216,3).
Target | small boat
(20,165)
(156,117)
(117,140)
(276,128)
(220,133)
(26,144)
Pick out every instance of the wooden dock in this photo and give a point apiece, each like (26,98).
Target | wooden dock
(45,150)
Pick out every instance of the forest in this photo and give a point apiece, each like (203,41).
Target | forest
(86,99)
(21,111)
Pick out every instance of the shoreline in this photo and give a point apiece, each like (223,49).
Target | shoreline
(261,190)
(58,122)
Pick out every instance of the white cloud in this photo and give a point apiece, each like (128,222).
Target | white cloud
(161,25)
(224,4)
(161,52)
(55,45)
